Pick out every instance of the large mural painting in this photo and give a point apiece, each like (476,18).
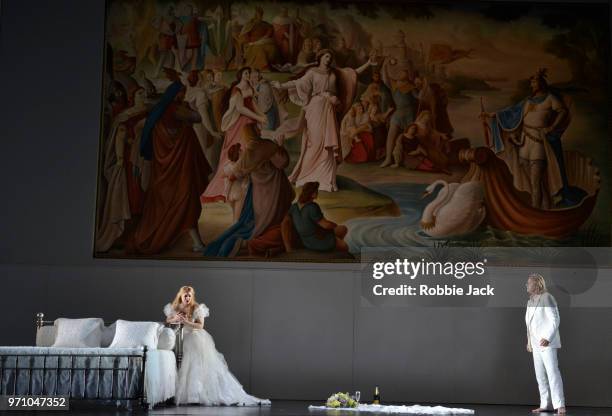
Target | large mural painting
(286,131)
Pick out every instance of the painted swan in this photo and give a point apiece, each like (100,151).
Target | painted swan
(457,210)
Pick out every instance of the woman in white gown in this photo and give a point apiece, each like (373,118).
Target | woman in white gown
(204,377)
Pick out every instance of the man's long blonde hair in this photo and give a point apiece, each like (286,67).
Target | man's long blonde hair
(178,300)
(539,281)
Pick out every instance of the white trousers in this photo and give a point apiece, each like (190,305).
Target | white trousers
(549,378)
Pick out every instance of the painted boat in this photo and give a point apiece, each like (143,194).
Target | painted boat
(510,209)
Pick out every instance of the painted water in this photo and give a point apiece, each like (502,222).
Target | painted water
(405,230)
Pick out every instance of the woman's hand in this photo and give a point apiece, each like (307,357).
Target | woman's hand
(174,319)
(183,319)
(180,317)
(276,84)
(529,349)
(544,342)
(333,100)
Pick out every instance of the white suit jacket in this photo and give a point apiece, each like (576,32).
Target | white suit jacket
(542,319)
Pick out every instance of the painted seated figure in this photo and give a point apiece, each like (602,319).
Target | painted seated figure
(315,231)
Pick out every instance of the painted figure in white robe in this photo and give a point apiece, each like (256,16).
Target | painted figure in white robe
(325,93)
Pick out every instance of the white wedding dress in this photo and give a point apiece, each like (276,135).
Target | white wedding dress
(204,377)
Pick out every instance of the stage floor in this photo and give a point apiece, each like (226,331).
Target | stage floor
(300,408)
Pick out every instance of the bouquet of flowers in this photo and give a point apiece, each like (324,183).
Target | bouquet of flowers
(340,400)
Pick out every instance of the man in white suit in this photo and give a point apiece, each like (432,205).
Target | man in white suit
(543,339)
